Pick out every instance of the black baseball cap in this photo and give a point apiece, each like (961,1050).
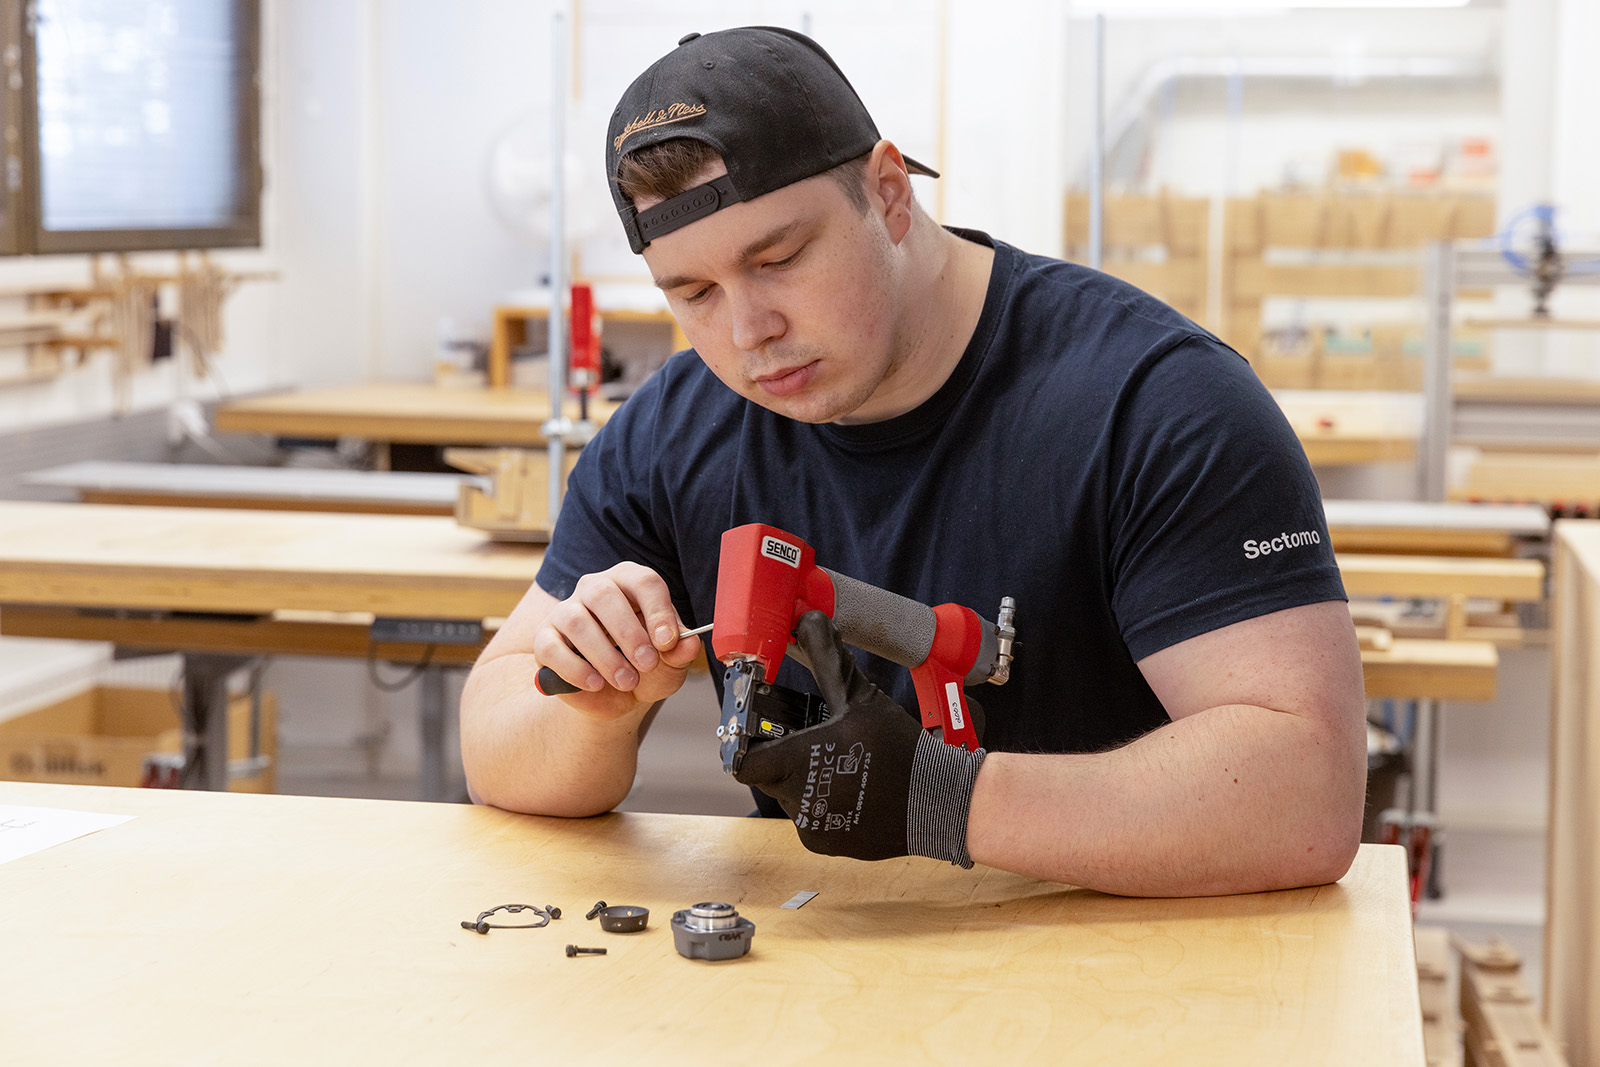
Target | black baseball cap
(772,103)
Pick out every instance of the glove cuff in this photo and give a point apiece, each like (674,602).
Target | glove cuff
(942,777)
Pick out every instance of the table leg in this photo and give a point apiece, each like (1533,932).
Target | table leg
(431,694)
(205,718)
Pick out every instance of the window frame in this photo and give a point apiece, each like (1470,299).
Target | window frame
(21,200)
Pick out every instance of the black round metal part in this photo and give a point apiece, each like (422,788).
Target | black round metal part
(623,918)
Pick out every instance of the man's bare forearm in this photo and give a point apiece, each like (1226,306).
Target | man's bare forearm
(527,752)
(1235,799)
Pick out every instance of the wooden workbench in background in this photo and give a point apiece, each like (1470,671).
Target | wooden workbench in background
(223,928)
(217,585)
(296,569)
(214,485)
(403,413)
(1333,431)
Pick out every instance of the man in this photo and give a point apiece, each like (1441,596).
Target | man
(942,415)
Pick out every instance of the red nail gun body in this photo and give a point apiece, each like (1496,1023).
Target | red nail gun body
(767,579)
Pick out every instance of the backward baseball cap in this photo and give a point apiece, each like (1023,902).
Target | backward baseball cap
(773,104)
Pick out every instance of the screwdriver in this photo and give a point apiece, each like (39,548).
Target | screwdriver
(552,684)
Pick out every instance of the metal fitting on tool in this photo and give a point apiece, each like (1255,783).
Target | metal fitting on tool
(711,931)
(1006,627)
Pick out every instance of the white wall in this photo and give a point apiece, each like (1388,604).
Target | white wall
(1286,127)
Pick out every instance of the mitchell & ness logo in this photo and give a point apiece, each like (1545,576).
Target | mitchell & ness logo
(661,116)
(1282,541)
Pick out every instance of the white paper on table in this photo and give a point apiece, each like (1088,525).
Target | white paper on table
(27,830)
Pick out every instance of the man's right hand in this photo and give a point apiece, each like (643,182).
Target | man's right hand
(616,639)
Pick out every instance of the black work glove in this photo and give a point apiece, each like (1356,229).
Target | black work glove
(869,782)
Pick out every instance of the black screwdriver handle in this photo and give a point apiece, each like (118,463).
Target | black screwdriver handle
(552,684)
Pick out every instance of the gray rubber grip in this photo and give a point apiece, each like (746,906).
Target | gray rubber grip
(880,622)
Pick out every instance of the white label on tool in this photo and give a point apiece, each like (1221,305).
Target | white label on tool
(952,696)
(782,551)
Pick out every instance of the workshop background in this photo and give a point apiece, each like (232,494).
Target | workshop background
(405,153)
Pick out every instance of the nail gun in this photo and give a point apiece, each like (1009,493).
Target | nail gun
(767,579)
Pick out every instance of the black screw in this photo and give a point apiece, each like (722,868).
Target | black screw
(599,906)
(574,950)
(553,911)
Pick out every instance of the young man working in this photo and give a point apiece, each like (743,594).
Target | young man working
(941,415)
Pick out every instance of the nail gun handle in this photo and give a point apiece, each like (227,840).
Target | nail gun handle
(880,622)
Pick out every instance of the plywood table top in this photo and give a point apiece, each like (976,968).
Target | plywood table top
(267,929)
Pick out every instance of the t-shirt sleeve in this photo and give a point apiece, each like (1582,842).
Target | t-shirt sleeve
(1214,514)
(613,505)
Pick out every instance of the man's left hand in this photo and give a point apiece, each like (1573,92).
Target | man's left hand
(869,782)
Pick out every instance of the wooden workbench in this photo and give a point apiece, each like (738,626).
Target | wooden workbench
(1340,429)
(403,413)
(1572,878)
(511,328)
(255,562)
(216,928)
(219,585)
(1549,479)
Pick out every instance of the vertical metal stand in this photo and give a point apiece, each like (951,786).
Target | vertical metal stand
(431,720)
(1097,157)
(1438,415)
(555,431)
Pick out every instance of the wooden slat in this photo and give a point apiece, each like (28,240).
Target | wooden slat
(1441,1021)
(1255,279)
(1422,542)
(1421,576)
(1413,668)
(1175,223)
(1502,1024)
(1543,477)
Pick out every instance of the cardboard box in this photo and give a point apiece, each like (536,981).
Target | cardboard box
(101,736)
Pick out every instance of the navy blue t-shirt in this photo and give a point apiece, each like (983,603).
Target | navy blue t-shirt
(1094,455)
